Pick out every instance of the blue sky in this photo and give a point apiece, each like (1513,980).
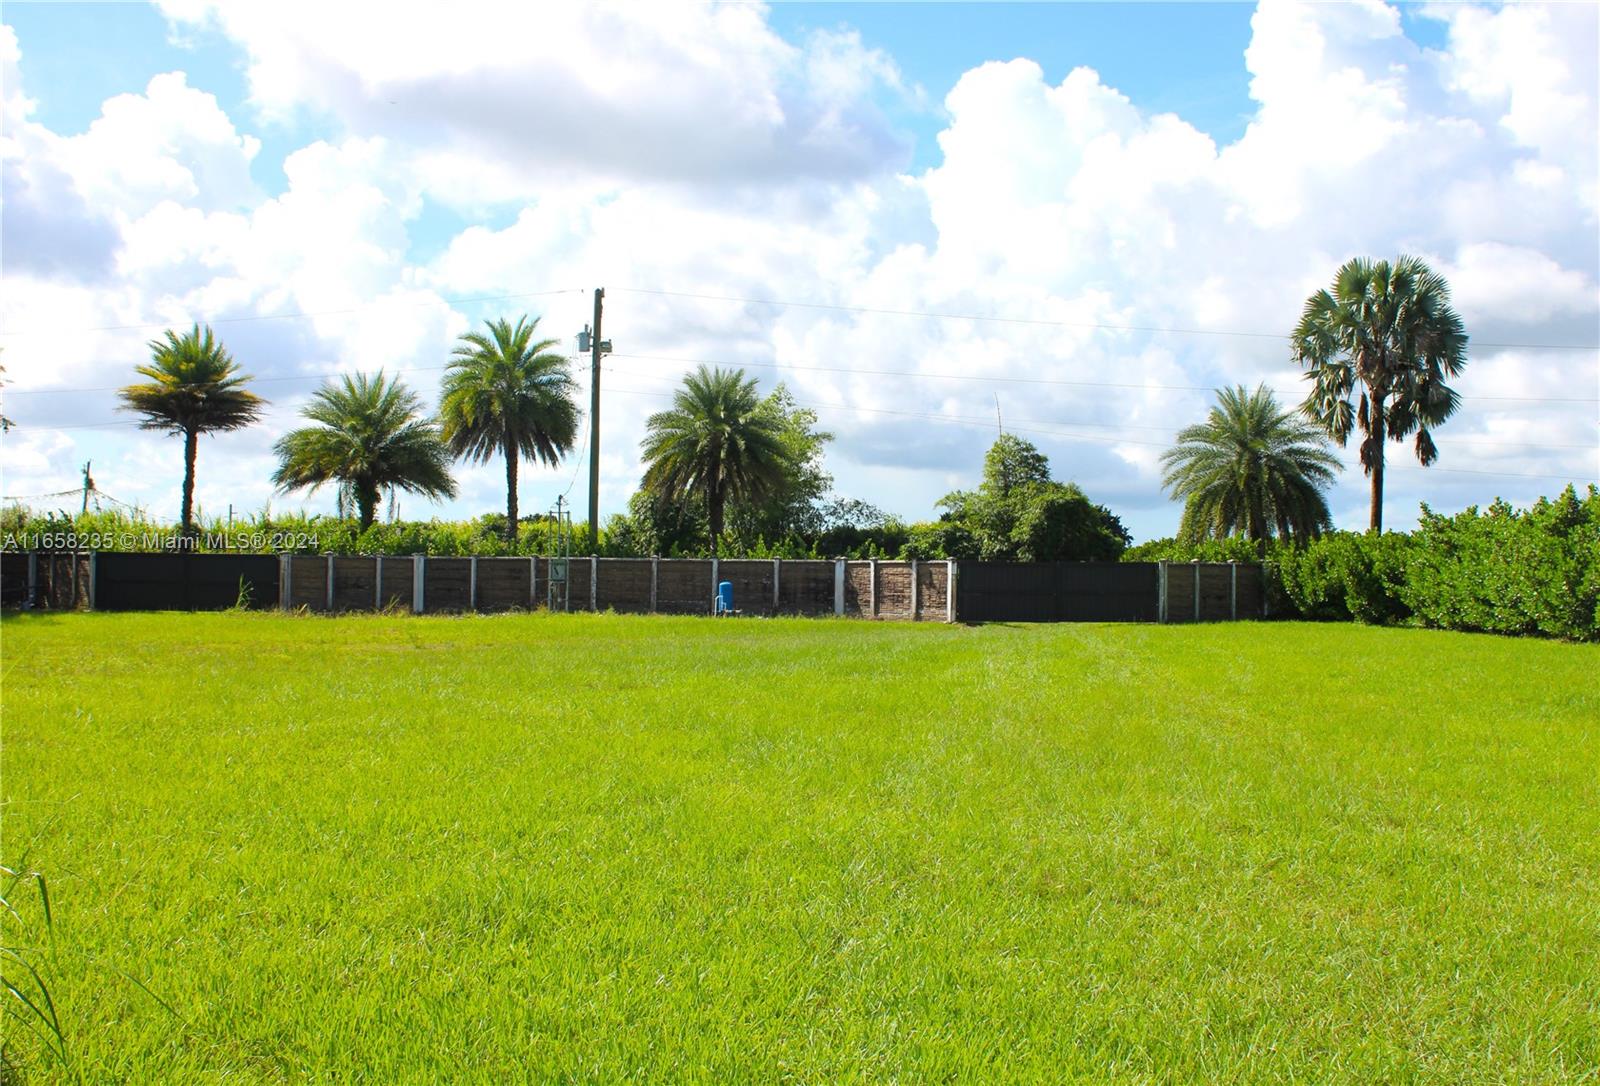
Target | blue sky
(1120,189)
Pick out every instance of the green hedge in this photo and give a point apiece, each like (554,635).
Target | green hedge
(22,529)
(1534,571)
(1501,570)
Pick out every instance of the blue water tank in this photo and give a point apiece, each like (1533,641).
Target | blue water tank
(725,596)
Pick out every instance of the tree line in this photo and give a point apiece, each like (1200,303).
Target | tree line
(1377,347)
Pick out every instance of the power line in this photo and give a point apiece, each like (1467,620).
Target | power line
(853,370)
(1039,380)
(75,492)
(1098,325)
(870,372)
(779,302)
(1028,426)
(1168,429)
(1172,430)
(301,314)
(317,376)
(973,420)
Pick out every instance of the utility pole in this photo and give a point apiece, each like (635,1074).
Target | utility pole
(597,346)
(88,485)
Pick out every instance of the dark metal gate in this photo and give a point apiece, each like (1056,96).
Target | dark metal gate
(1057,592)
(184,582)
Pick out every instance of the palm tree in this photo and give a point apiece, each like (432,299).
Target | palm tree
(369,438)
(1390,329)
(507,394)
(717,441)
(1252,468)
(194,388)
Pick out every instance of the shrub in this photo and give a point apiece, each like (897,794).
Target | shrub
(1234,548)
(1501,570)
(1508,571)
(1347,575)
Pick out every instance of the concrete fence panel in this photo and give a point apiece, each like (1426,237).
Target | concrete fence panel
(684,587)
(858,597)
(355,583)
(624,585)
(752,583)
(806,588)
(308,582)
(894,590)
(932,604)
(446,585)
(394,587)
(504,584)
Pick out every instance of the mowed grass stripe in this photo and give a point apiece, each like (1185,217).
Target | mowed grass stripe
(602,848)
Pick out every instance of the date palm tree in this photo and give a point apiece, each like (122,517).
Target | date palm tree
(1389,329)
(194,388)
(1252,468)
(507,394)
(717,442)
(369,438)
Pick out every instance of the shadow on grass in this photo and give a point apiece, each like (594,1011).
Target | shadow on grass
(42,618)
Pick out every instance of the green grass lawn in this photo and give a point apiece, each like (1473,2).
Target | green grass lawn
(601,849)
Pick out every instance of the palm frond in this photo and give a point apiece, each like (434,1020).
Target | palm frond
(1252,468)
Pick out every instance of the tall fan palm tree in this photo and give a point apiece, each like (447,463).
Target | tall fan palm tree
(507,394)
(195,388)
(716,442)
(369,438)
(1389,329)
(1253,469)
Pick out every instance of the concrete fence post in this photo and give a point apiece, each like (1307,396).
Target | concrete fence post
(1195,565)
(377,583)
(916,594)
(872,588)
(33,580)
(838,587)
(1233,590)
(330,580)
(472,583)
(594,581)
(533,581)
(949,591)
(419,582)
(74,581)
(777,568)
(285,580)
(655,581)
(94,575)
(1161,591)
(713,585)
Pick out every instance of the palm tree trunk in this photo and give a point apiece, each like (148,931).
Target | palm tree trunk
(190,444)
(366,504)
(1378,435)
(511,490)
(714,513)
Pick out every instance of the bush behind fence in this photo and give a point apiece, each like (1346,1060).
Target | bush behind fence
(1504,570)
